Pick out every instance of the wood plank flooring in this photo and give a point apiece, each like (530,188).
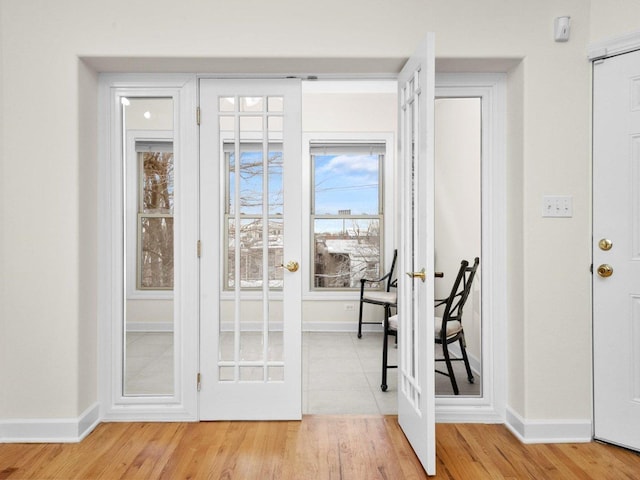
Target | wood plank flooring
(318,447)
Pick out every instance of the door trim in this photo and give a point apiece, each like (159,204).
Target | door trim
(182,405)
(494,244)
(491,407)
(614,46)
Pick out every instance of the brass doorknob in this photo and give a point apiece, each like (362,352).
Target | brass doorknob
(292,266)
(605,270)
(605,244)
(421,275)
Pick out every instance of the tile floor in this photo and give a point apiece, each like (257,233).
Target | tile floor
(341,373)
(149,364)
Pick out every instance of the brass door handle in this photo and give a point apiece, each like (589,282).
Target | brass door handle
(605,270)
(605,244)
(292,266)
(421,275)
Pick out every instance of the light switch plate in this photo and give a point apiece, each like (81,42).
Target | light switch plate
(557,206)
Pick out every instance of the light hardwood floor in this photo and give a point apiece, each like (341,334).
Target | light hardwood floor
(318,447)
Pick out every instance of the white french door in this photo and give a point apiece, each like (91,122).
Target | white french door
(250,214)
(416,393)
(616,249)
(250,310)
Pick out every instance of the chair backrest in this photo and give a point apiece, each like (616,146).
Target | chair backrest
(459,292)
(392,282)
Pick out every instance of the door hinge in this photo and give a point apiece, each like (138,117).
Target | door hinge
(198,115)
(198,381)
(199,248)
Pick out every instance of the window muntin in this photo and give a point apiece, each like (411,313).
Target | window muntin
(346,213)
(251,185)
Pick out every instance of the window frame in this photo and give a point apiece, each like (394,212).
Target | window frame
(133,180)
(386,206)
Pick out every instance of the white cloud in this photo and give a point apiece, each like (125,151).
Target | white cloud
(345,164)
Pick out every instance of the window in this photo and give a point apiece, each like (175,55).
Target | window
(346,213)
(154,265)
(149,198)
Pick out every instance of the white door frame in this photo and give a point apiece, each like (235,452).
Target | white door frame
(491,406)
(182,405)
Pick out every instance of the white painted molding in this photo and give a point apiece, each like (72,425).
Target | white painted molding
(151,327)
(340,327)
(328,327)
(614,46)
(50,430)
(461,413)
(549,431)
(183,404)
(491,88)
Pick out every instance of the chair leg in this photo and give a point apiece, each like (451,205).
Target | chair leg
(463,349)
(360,321)
(385,348)
(447,361)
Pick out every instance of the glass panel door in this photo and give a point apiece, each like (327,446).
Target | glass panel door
(416,396)
(251,287)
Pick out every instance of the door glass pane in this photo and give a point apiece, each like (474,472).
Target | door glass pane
(252,374)
(275,104)
(412,343)
(149,193)
(251,346)
(251,343)
(275,180)
(250,127)
(226,374)
(251,104)
(226,104)
(276,374)
(251,178)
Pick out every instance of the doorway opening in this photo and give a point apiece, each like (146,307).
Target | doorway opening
(342,373)
(342,308)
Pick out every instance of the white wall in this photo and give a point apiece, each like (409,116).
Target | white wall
(47,136)
(612,18)
(335,107)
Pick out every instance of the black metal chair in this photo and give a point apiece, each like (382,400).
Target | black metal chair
(386,298)
(448,328)
(390,327)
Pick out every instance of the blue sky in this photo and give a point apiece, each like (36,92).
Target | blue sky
(342,182)
(346,182)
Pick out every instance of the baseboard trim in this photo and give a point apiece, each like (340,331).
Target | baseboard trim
(549,431)
(159,327)
(328,327)
(50,430)
(339,327)
(147,327)
(467,414)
